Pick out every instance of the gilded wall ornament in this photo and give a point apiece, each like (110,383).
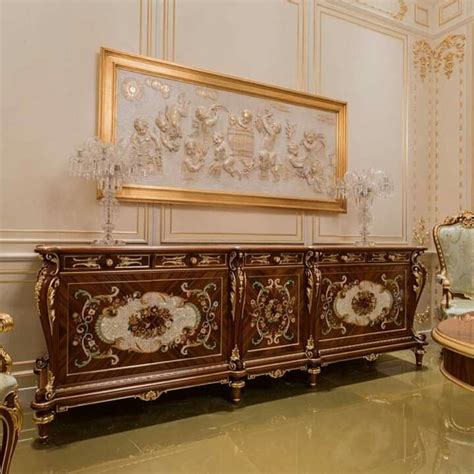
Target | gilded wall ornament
(427,59)
(272,311)
(420,232)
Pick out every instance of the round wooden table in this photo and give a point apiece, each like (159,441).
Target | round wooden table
(456,336)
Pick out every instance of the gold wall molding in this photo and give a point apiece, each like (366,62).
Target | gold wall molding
(398,14)
(420,232)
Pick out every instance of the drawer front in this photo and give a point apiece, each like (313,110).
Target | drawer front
(119,323)
(275,314)
(363,302)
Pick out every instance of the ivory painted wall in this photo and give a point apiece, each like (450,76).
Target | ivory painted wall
(418,129)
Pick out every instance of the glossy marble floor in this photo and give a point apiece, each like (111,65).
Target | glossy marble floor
(388,418)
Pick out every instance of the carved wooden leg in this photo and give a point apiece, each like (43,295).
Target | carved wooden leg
(313,375)
(12,418)
(237,386)
(43,419)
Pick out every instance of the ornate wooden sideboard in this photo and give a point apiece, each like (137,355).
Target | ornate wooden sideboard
(139,321)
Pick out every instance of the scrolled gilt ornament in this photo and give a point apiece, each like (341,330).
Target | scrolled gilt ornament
(235,362)
(54,259)
(150,395)
(52,289)
(277,373)
(40,279)
(310,346)
(313,277)
(6,322)
(419,272)
(49,390)
(371,357)
(420,232)
(466,219)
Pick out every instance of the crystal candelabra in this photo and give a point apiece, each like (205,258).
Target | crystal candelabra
(110,165)
(364,186)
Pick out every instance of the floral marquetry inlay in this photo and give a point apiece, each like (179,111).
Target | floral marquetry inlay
(361,303)
(144,323)
(273,312)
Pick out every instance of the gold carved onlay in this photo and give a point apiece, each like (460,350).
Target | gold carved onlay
(445,55)
(150,395)
(466,219)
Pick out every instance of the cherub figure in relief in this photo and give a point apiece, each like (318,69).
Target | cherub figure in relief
(309,166)
(267,157)
(241,138)
(145,147)
(223,157)
(204,122)
(194,159)
(169,123)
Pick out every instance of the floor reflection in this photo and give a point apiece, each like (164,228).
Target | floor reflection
(387,418)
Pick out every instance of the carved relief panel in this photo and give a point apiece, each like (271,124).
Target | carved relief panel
(362,302)
(163,320)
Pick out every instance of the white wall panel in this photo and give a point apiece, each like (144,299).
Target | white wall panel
(48,97)
(366,65)
(261,40)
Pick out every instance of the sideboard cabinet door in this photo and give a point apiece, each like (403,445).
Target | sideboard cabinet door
(137,322)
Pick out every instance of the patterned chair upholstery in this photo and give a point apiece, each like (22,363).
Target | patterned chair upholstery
(10,412)
(454,240)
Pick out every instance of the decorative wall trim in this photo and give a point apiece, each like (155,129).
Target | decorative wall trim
(398,14)
(421,15)
(448,11)
(171,235)
(139,235)
(318,12)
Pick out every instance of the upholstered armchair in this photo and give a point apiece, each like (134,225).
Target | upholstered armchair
(454,240)
(10,412)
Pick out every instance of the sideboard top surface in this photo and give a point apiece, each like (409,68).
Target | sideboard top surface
(44,249)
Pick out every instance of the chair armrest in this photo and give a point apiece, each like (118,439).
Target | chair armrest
(444,282)
(6,324)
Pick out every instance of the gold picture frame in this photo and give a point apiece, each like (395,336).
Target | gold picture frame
(117,106)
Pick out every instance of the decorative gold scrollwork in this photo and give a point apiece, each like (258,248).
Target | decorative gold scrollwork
(235,362)
(419,272)
(150,395)
(52,289)
(428,59)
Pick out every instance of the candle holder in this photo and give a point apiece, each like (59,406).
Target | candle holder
(364,186)
(110,165)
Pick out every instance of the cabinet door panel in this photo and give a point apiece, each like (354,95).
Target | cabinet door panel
(275,315)
(143,322)
(362,302)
